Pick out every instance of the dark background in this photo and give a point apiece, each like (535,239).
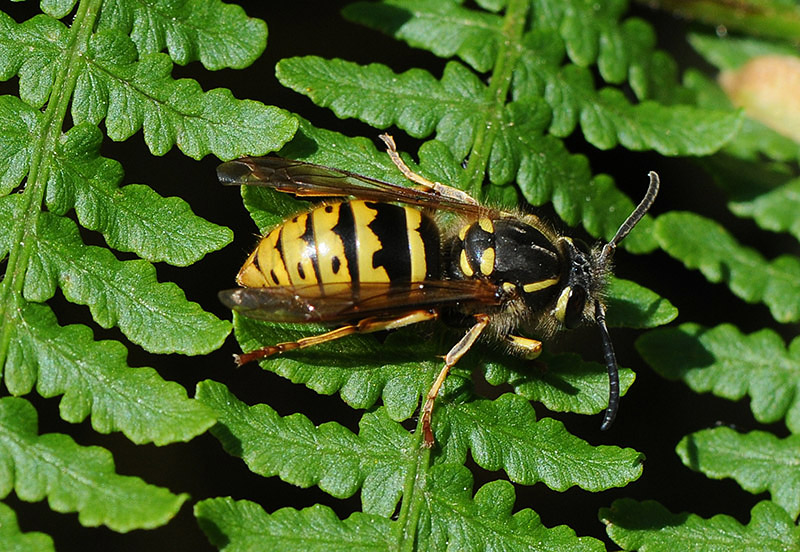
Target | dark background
(654,415)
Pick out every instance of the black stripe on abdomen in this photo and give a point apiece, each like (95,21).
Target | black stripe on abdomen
(429,233)
(311,248)
(345,229)
(389,226)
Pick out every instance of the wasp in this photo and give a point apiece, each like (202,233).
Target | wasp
(375,256)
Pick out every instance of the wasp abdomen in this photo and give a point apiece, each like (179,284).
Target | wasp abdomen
(349,242)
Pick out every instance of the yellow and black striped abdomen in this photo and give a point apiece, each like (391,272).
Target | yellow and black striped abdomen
(350,242)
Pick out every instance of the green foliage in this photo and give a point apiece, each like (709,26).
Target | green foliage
(634,306)
(504,434)
(119,293)
(243,525)
(563,382)
(735,52)
(454,517)
(553,174)
(729,364)
(55,187)
(588,33)
(132,91)
(775,210)
(94,379)
(383,460)
(376,461)
(371,375)
(703,244)
(445,28)
(457,519)
(768,18)
(74,478)
(757,170)
(758,461)
(131,218)
(650,527)
(522,86)
(457,105)
(500,434)
(131,94)
(12,539)
(217,34)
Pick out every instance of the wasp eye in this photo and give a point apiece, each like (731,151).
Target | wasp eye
(573,314)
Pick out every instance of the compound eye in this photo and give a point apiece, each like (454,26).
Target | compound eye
(573,314)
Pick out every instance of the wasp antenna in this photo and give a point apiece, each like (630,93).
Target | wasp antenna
(635,216)
(600,311)
(611,366)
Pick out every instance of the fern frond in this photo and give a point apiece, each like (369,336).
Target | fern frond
(729,364)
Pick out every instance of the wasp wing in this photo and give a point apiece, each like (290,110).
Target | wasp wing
(337,302)
(309,180)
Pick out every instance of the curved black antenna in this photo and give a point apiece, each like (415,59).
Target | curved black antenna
(600,311)
(633,218)
(611,365)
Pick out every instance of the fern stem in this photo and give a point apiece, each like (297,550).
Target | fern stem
(413,488)
(513,27)
(24,240)
(416,479)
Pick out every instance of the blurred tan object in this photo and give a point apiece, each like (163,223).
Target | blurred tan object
(768,88)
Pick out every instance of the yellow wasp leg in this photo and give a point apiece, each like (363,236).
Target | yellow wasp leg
(458,350)
(442,189)
(524,347)
(367,325)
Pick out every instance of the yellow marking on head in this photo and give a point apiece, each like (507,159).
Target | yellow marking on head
(462,234)
(486,224)
(560,310)
(541,284)
(297,252)
(487,261)
(416,246)
(368,244)
(463,263)
(330,249)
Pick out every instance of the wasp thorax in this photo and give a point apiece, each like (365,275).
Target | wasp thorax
(507,250)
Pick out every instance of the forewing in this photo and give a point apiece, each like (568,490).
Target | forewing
(308,180)
(333,303)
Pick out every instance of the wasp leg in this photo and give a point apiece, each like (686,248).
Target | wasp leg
(442,189)
(458,350)
(524,347)
(367,325)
